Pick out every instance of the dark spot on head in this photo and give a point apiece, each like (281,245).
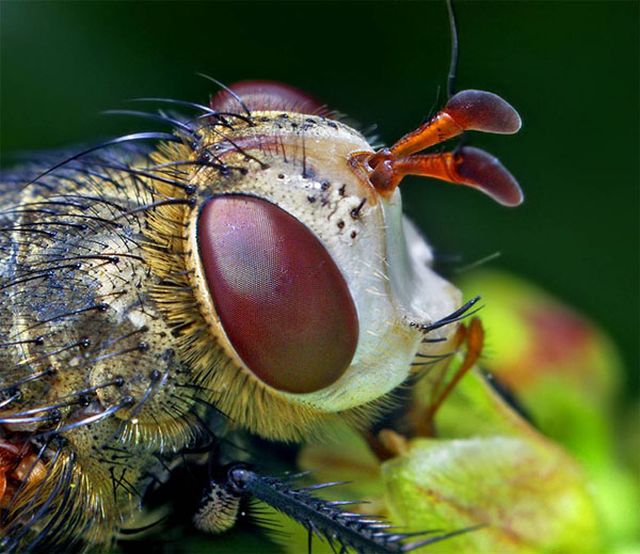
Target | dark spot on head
(355,213)
(340,224)
(311,199)
(325,185)
(353,234)
(308,173)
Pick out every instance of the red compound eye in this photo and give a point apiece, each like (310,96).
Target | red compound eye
(280,297)
(265,96)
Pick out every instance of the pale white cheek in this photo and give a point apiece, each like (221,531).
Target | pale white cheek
(392,284)
(386,345)
(381,364)
(423,295)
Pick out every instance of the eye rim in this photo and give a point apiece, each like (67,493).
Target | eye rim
(213,317)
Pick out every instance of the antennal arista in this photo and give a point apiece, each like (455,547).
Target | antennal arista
(468,110)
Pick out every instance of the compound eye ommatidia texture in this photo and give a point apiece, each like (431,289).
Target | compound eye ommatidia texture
(281,299)
(265,96)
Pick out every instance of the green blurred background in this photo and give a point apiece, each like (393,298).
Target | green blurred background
(571,69)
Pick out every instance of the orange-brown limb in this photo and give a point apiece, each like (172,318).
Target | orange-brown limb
(466,166)
(475,342)
(387,444)
(473,335)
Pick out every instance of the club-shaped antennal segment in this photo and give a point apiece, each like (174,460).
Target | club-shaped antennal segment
(469,110)
(465,166)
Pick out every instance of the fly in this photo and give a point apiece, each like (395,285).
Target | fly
(248,274)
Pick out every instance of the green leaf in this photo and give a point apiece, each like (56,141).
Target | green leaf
(531,498)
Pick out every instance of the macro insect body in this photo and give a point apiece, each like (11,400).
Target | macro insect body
(249,271)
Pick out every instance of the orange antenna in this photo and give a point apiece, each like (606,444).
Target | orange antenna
(468,110)
(466,166)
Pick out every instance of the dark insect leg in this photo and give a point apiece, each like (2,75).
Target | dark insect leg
(344,531)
